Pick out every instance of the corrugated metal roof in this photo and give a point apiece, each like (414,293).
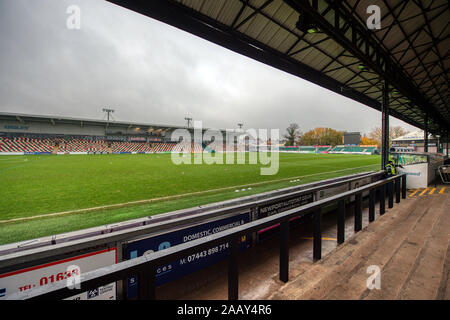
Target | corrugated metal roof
(415,34)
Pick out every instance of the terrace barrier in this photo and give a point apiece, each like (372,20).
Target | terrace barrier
(145,266)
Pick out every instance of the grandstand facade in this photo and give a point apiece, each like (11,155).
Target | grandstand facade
(416,141)
(30,134)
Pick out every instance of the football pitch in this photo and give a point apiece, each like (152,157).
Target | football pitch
(47,194)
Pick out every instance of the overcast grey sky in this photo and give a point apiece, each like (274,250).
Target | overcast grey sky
(151,72)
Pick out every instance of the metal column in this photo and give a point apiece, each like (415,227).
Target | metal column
(233,271)
(447,144)
(385,127)
(341,222)
(317,235)
(284,251)
(426,134)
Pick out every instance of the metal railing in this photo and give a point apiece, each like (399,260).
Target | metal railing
(157,219)
(444,172)
(158,225)
(145,266)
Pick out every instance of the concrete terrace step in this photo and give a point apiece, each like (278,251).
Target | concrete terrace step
(429,270)
(396,273)
(396,242)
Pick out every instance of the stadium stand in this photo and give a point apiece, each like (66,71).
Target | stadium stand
(91,144)
(163,147)
(22,144)
(322,149)
(330,149)
(306,149)
(138,147)
(81,145)
(290,148)
(354,149)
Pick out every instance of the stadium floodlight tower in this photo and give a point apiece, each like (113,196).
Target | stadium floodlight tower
(109,114)
(188,121)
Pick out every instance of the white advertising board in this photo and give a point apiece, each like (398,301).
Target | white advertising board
(416,175)
(325,193)
(62,270)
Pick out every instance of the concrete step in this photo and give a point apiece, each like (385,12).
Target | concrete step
(397,271)
(354,283)
(444,286)
(428,272)
(330,278)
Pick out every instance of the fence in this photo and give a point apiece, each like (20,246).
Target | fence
(145,266)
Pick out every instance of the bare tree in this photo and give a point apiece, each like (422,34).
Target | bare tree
(292,135)
(394,132)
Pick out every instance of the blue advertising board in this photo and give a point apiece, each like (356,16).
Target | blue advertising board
(190,263)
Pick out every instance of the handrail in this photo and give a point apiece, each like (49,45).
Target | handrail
(145,265)
(149,229)
(152,220)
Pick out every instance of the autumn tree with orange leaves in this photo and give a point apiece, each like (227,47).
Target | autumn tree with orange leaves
(322,136)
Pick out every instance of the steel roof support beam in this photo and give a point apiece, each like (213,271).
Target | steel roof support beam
(200,25)
(190,20)
(363,46)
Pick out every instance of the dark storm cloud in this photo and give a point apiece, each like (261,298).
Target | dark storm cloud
(150,72)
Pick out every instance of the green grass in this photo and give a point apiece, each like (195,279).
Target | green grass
(39,185)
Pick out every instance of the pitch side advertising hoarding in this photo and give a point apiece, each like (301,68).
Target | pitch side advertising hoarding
(416,175)
(62,270)
(280,206)
(190,263)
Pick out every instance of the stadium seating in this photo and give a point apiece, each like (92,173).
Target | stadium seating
(138,147)
(81,145)
(290,148)
(370,149)
(98,145)
(353,149)
(163,147)
(307,148)
(21,144)
(322,149)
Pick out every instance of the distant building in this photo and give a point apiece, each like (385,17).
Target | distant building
(416,140)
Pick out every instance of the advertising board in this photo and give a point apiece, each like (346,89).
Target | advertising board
(278,207)
(416,175)
(61,270)
(190,263)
